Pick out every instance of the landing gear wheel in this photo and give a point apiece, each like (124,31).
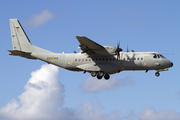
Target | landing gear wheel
(93,74)
(100,75)
(157,74)
(106,76)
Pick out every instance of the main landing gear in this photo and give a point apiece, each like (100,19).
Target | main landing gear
(100,74)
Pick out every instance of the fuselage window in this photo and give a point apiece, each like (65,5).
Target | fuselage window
(113,59)
(82,59)
(124,58)
(99,59)
(110,59)
(137,58)
(86,59)
(106,59)
(79,59)
(75,59)
(103,59)
(141,58)
(89,59)
(96,59)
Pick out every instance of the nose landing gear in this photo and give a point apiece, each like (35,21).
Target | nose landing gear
(157,74)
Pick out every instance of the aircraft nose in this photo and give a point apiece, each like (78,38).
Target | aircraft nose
(171,64)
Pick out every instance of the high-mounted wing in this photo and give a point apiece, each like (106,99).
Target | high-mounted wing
(88,45)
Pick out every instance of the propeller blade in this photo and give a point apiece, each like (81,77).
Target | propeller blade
(118,56)
(118,50)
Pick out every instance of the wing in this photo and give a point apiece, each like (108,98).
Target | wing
(88,45)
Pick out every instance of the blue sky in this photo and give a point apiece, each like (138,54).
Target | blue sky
(142,25)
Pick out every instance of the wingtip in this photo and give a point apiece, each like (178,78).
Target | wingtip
(80,36)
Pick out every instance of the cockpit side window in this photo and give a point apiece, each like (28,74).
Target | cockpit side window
(155,56)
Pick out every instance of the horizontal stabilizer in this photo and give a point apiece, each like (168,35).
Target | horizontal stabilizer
(21,54)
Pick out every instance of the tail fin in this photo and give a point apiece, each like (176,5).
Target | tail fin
(21,43)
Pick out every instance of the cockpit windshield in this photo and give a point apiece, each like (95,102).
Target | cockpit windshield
(162,56)
(158,56)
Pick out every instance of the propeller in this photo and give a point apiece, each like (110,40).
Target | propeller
(118,50)
(127,49)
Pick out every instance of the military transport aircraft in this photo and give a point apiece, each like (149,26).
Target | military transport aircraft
(100,61)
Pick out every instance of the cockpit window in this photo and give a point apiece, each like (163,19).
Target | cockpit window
(158,56)
(162,56)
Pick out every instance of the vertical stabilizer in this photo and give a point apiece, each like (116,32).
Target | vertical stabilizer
(20,41)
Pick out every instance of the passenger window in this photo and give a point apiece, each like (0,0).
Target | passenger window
(75,59)
(141,58)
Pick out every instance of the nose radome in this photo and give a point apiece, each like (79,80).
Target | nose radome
(171,64)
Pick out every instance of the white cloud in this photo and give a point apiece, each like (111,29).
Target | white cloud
(40,19)
(149,113)
(43,93)
(43,99)
(92,85)
(94,111)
